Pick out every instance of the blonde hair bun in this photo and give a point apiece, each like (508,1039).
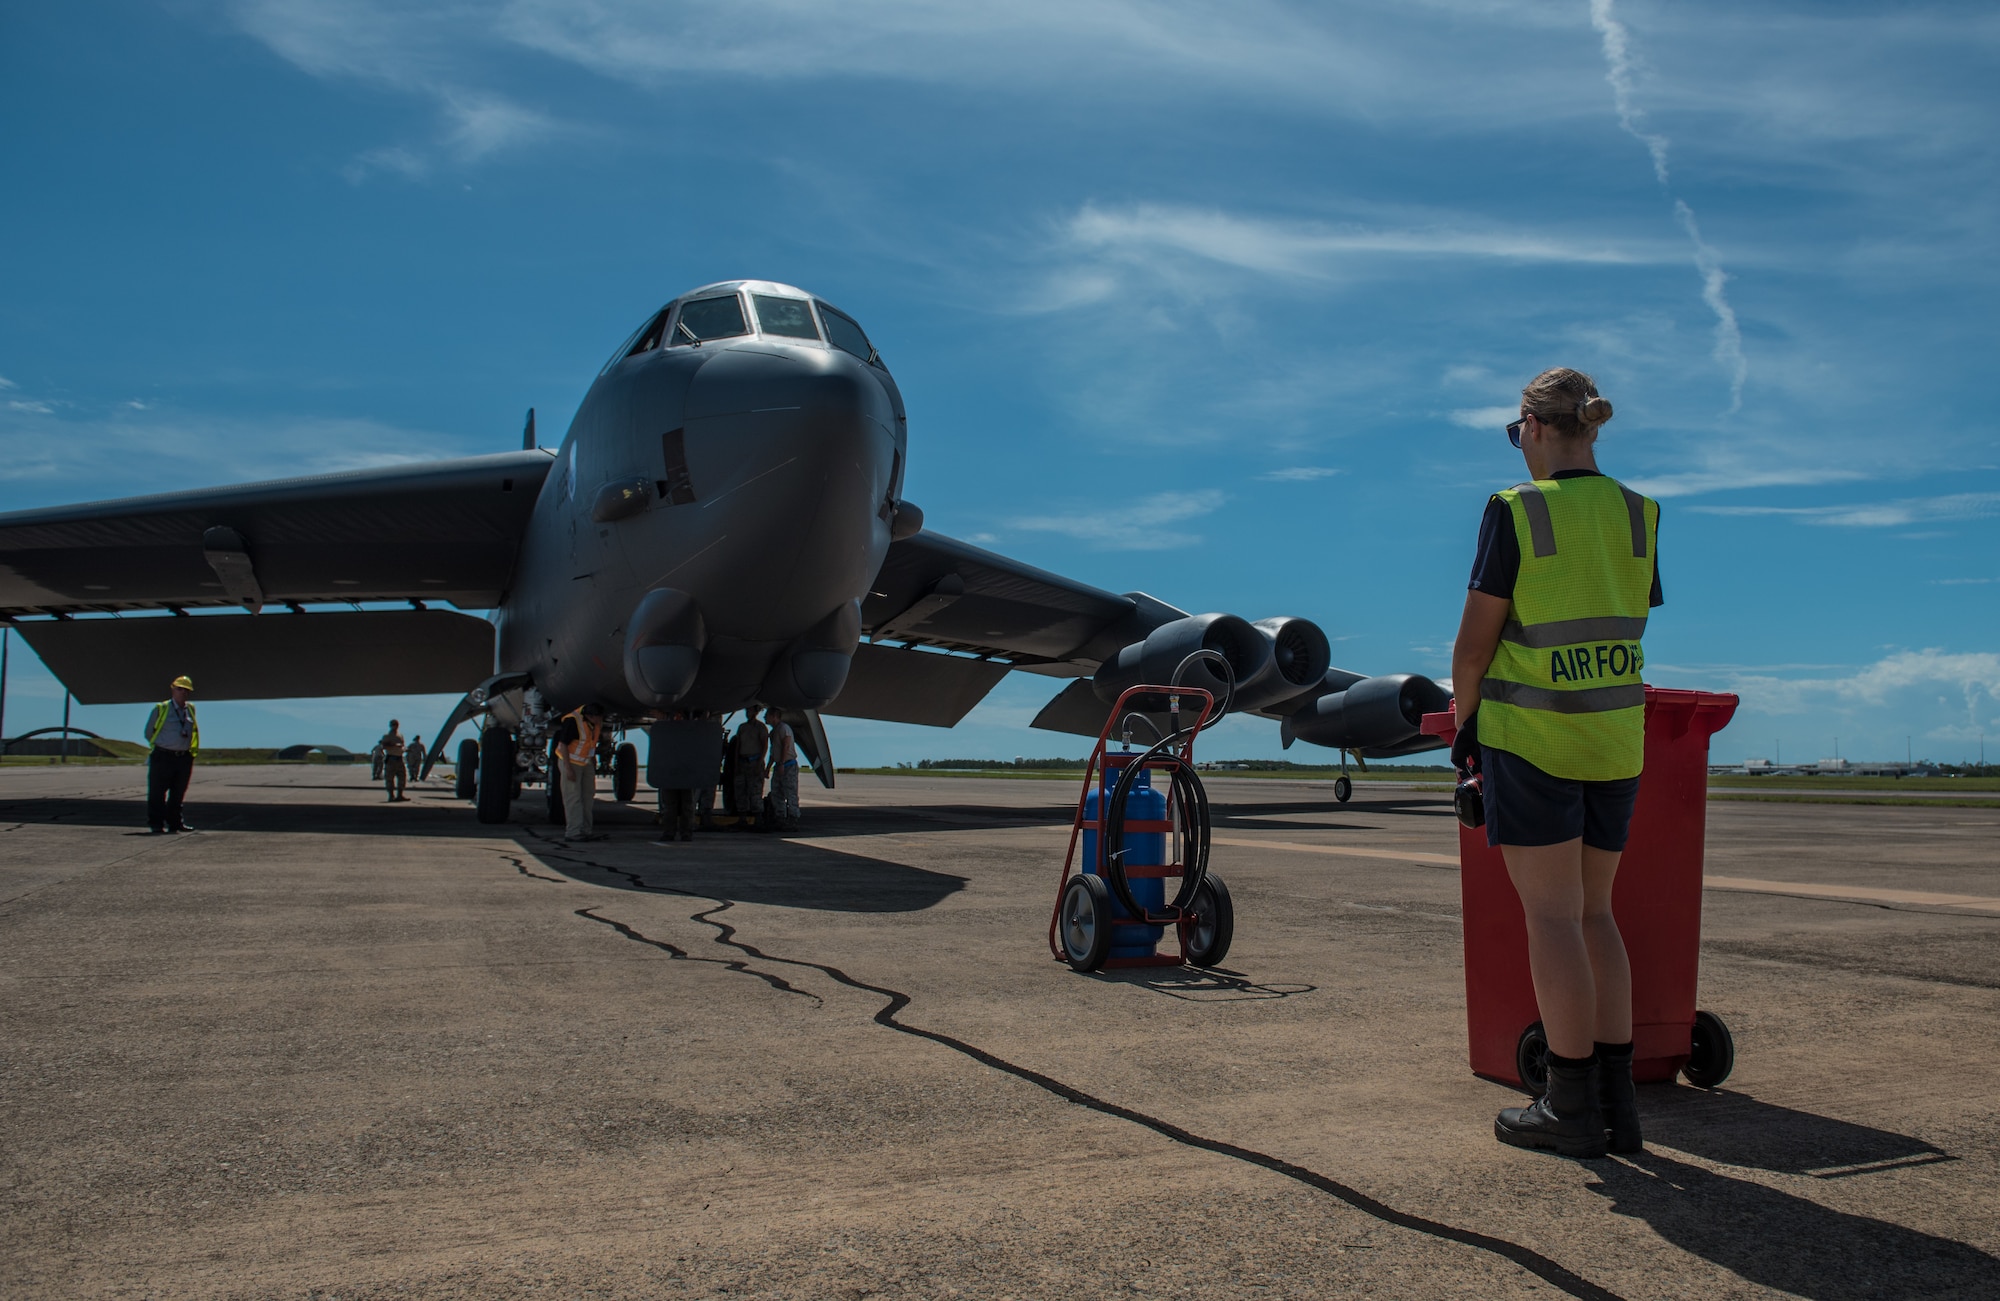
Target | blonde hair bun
(1594,410)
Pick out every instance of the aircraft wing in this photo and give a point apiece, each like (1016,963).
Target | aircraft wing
(947,620)
(446,531)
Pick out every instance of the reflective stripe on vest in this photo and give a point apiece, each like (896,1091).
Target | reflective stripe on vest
(583,750)
(1564,689)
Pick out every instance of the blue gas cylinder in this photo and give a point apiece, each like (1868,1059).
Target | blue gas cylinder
(1142,849)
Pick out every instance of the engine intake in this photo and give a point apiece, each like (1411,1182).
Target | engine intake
(1247,650)
(1374,714)
(1299,658)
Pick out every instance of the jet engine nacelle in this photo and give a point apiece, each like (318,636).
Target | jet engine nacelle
(1247,650)
(812,670)
(1299,659)
(1375,713)
(664,640)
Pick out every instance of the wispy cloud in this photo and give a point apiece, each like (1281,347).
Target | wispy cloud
(1300,474)
(1145,234)
(1961,582)
(433,53)
(1972,678)
(1150,524)
(1485,417)
(1885,514)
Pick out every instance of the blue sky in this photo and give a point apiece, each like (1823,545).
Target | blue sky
(1219,302)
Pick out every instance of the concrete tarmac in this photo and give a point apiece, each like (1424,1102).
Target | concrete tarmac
(333,1047)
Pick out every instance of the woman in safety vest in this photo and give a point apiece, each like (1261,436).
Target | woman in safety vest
(1552,711)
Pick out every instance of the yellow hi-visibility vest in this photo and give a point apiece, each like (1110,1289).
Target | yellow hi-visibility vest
(158,719)
(583,751)
(1563,691)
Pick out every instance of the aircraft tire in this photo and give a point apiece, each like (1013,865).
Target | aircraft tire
(1343,789)
(1206,943)
(496,775)
(1084,922)
(465,785)
(625,773)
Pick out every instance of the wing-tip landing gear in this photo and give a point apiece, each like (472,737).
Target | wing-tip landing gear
(1343,785)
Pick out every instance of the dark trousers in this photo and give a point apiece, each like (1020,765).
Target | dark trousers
(167,774)
(677,814)
(393,776)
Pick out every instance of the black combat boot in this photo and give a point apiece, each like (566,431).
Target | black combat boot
(1566,1119)
(1615,1096)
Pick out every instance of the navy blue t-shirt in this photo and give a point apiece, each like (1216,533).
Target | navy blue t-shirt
(1498,561)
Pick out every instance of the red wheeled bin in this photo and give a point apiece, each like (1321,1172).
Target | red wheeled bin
(1657,901)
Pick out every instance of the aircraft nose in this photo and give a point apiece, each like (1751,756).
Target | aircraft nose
(800,450)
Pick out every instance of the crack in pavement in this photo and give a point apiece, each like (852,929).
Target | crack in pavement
(1525,1257)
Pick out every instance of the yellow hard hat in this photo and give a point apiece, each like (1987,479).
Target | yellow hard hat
(185,682)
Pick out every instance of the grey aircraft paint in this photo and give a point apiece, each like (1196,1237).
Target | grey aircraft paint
(721,527)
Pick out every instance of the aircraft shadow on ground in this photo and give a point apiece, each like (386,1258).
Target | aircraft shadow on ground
(1739,1130)
(1791,1244)
(745,868)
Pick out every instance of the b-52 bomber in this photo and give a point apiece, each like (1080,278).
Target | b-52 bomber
(723,526)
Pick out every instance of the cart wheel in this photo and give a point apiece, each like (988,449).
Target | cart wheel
(1205,942)
(1711,1052)
(1531,1059)
(1343,789)
(1085,922)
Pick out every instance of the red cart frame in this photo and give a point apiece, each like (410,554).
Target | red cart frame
(1179,918)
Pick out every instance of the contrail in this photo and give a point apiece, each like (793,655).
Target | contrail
(1728,336)
(1618,73)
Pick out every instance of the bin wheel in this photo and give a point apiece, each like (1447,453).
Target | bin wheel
(496,775)
(1205,941)
(1343,789)
(1084,922)
(1531,1059)
(1711,1052)
(625,773)
(465,782)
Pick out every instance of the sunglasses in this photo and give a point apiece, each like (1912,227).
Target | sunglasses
(1514,431)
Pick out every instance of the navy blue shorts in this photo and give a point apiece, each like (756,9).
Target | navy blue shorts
(1526,806)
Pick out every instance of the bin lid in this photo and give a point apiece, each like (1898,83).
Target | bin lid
(1708,710)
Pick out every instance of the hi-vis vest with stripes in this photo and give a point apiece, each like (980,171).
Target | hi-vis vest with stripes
(1563,691)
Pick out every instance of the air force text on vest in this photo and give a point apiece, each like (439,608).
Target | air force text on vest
(1615,659)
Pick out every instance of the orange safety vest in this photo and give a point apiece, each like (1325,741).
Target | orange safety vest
(583,751)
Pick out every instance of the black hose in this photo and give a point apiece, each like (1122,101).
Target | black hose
(1190,800)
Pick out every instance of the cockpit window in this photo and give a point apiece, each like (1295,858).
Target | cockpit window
(789,317)
(709,318)
(644,339)
(844,334)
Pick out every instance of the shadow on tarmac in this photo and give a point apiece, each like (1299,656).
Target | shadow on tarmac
(1738,1130)
(1789,1243)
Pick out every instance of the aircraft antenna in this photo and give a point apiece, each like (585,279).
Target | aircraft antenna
(528,432)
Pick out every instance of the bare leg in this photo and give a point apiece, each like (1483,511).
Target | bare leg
(1608,964)
(1549,879)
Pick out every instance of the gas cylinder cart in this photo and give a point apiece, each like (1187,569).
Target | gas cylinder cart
(1112,909)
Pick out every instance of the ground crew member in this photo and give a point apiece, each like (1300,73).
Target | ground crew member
(1552,710)
(413,758)
(751,738)
(784,772)
(175,736)
(394,773)
(680,759)
(576,765)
